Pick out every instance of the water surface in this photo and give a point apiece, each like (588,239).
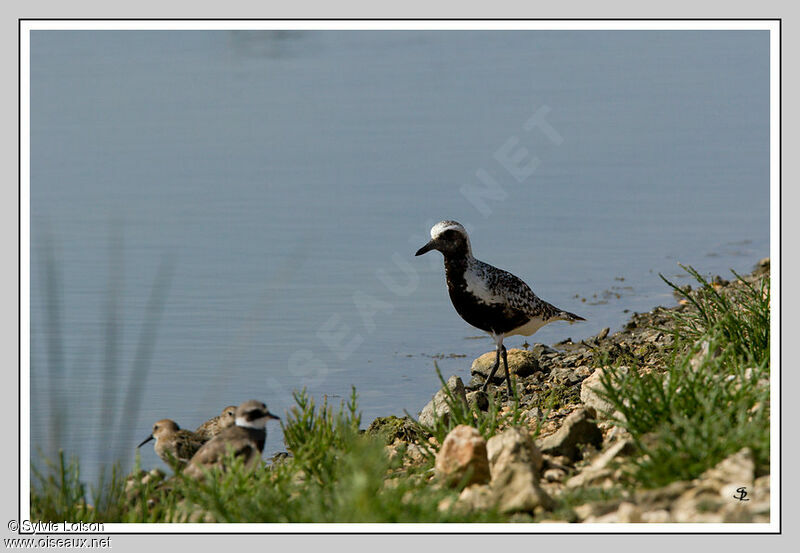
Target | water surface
(275,186)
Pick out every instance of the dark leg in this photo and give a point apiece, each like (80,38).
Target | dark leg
(508,375)
(494,370)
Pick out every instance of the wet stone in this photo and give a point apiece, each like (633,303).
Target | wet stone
(521,364)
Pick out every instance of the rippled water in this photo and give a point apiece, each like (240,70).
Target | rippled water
(274,186)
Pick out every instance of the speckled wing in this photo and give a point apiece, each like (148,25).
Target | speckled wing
(217,424)
(187,444)
(518,296)
(208,429)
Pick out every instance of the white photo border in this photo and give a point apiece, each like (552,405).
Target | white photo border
(771,25)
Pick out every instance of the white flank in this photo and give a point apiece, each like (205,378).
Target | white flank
(476,285)
(258,424)
(528,328)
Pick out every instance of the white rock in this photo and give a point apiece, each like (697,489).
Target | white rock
(591,398)
(513,446)
(439,404)
(515,462)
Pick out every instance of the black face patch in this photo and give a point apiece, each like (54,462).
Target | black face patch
(452,244)
(250,416)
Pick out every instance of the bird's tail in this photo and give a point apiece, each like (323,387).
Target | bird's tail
(570,317)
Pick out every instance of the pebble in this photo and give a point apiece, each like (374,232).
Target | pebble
(515,462)
(578,428)
(554,475)
(463,455)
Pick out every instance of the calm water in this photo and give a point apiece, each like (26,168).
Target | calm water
(272,187)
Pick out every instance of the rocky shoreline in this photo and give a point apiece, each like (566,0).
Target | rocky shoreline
(682,436)
(567,441)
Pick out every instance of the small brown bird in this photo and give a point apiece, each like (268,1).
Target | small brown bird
(245,440)
(173,445)
(214,426)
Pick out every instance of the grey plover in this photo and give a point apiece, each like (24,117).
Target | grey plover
(173,445)
(489,298)
(244,439)
(217,424)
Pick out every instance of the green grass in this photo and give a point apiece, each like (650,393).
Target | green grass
(59,494)
(708,404)
(337,474)
(738,318)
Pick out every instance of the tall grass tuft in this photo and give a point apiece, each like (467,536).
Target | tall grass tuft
(116,386)
(713,399)
(317,436)
(740,317)
(58,494)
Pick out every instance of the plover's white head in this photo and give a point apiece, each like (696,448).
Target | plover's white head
(253,414)
(450,238)
(161,429)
